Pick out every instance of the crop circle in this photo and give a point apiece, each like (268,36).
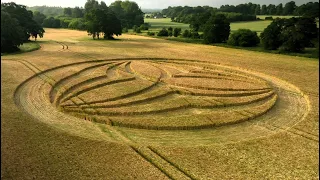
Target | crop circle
(148,94)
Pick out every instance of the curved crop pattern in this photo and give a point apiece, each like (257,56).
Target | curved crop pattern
(163,94)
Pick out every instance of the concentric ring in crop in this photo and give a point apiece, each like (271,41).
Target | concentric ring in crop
(162,101)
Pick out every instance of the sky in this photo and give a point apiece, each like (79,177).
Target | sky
(155,4)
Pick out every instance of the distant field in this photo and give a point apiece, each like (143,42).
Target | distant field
(276,16)
(258,26)
(157,24)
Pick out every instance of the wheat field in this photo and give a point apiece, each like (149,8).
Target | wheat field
(145,108)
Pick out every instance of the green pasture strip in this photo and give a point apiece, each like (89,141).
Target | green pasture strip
(158,24)
(25,47)
(275,16)
(29,46)
(257,26)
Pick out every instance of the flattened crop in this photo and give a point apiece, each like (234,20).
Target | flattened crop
(163,94)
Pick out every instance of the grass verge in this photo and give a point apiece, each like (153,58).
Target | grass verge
(25,47)
(29,46)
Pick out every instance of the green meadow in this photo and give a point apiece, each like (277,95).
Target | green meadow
(158,24)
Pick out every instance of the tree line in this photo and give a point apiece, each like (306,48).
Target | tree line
(47,10)
(285,35)
(18,24)
(127,12)
(241,12)
(188,14)
(109,21)
(58,17)
(290,8)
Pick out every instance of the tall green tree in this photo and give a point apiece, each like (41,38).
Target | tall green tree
(308,27)
(311,9)
(99,19)
(279,9)
(176,32)
(67,11)
(36,30)
(271,36)
(92,24)
(292,34)
(77,24)
(25,19)
(291,40)
(77,12)
(217,29)
(257,10)
(199,20)
(12,34)
(289,8)
(272,9)
(51,22)
(110,25)
(103,6)
(91,4)
(263,10)
(38,17)
(119,11)
(128,12)
(244,37)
